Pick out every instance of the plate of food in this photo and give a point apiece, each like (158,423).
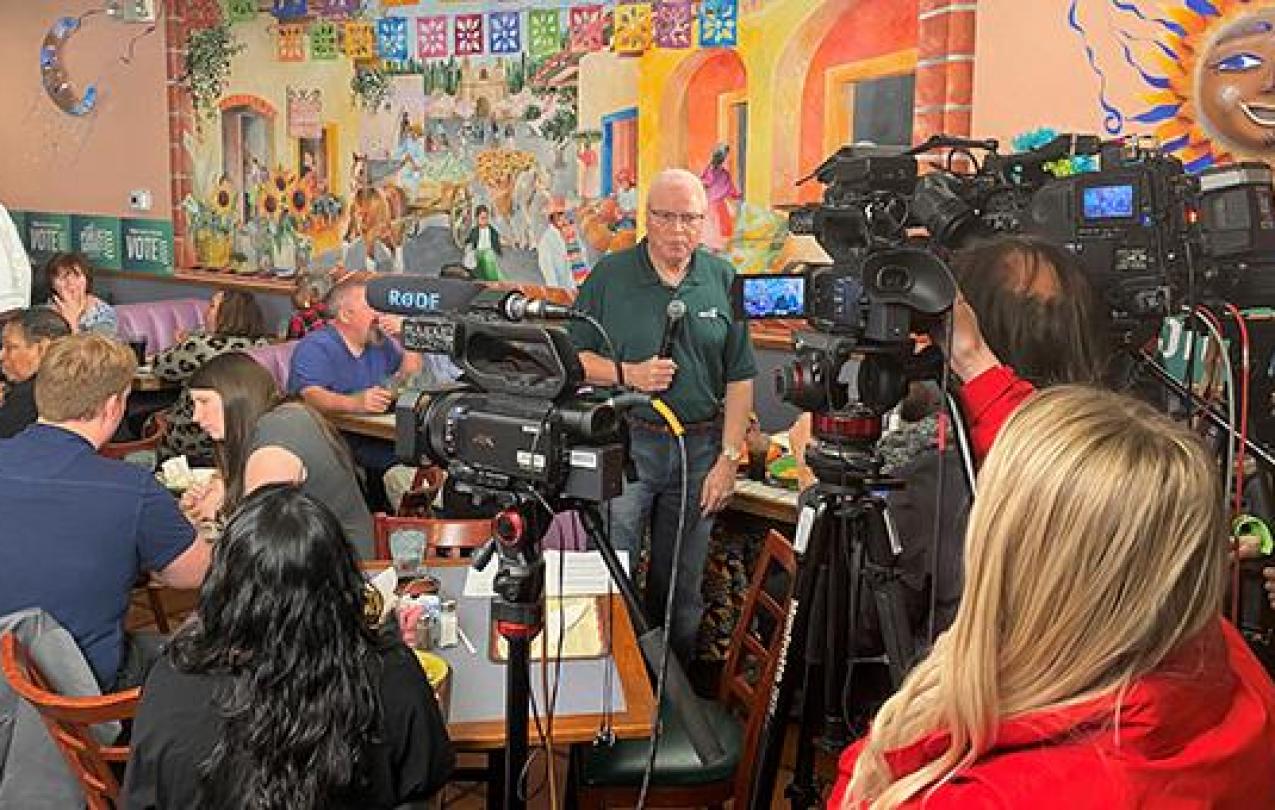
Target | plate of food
(177,476)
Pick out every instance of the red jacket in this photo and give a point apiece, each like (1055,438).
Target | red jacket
(1197,733)
(989,399)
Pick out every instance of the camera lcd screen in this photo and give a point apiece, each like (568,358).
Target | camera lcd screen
(773,296)
(1107,202)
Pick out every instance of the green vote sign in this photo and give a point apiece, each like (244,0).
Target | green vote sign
(148,245)
(48,234)
(98,238)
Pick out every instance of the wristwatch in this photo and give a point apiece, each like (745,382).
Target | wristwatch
(734,454)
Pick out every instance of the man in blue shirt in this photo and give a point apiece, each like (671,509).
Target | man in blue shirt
(77,528)
(349,366)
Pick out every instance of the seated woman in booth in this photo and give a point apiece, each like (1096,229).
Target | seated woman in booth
(279,692)
(233,322)
(259,439)
(1088,665)
(65,283)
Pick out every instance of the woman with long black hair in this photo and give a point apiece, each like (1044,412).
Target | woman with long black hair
(277,694)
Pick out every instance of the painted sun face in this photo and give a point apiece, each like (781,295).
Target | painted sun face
(1236,85)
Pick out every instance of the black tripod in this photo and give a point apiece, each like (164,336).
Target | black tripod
(844,543)
(517,615)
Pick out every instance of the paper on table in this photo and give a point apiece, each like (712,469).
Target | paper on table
(585,574)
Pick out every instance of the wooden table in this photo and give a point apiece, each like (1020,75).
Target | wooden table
(376,426)
(145,380)
(633,722)
(765,501)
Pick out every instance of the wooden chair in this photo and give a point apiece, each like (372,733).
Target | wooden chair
(443,537)
(419,500)
(611,777)
(156,427)
(70,721)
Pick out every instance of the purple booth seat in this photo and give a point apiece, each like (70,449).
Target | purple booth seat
(160,321)
(277,358)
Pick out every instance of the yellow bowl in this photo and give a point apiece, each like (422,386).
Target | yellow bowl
(439,675)
(436,668)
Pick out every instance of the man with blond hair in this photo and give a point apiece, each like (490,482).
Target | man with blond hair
(77,528)
(706,379)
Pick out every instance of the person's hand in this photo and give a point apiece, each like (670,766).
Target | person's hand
(70,308)
(969,355)
(651,376)
(201,502)
(718,486)
(180,335)
(390,324)
(1246,547)
(375,399)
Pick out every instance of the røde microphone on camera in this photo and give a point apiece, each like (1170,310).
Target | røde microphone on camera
(419,295)
(673,315)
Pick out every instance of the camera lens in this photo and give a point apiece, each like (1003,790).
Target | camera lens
(801,384)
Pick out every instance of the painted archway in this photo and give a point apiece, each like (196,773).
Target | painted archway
(711,83)
(832,49)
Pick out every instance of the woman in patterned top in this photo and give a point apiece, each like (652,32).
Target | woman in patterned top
(234,322)
(65,283)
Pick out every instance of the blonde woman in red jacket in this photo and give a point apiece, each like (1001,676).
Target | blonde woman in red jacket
(1088,665)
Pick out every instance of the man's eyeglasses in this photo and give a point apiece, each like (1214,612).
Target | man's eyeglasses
(675,218)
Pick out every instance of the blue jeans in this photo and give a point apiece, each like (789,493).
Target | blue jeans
(652,502)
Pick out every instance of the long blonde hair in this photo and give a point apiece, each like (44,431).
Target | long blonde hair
(1097,545)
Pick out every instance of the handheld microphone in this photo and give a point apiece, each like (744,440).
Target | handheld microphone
(673,315)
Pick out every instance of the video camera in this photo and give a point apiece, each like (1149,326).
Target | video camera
(514,415)
(1147,234)
(881,288)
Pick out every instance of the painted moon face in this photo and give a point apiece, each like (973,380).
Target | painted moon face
(1235,85)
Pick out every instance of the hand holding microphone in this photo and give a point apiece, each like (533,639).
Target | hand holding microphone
(656,374)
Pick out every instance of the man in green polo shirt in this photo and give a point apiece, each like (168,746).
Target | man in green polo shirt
(707,382)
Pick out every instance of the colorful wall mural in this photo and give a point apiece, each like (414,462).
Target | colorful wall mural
(514,143)
(1194,74)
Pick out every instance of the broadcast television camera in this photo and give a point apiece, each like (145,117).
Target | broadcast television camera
(1148,235)
(881,288)
(514,417)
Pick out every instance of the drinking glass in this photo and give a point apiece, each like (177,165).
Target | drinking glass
(407,549)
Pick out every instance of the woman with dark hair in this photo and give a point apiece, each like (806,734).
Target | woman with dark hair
(277,694)
(258,439)
(233,322)
(65,283)
(1035,308)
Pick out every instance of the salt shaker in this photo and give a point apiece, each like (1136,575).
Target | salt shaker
(448,625)
(425,627)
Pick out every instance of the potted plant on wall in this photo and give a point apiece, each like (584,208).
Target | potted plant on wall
(209,52)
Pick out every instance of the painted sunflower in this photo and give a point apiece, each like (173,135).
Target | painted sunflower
(279,182)
(269,204)
(297,201)
(223,198)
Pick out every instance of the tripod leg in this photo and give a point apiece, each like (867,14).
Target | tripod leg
(838,636)
(517,701)
(803,790)
(793,665)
